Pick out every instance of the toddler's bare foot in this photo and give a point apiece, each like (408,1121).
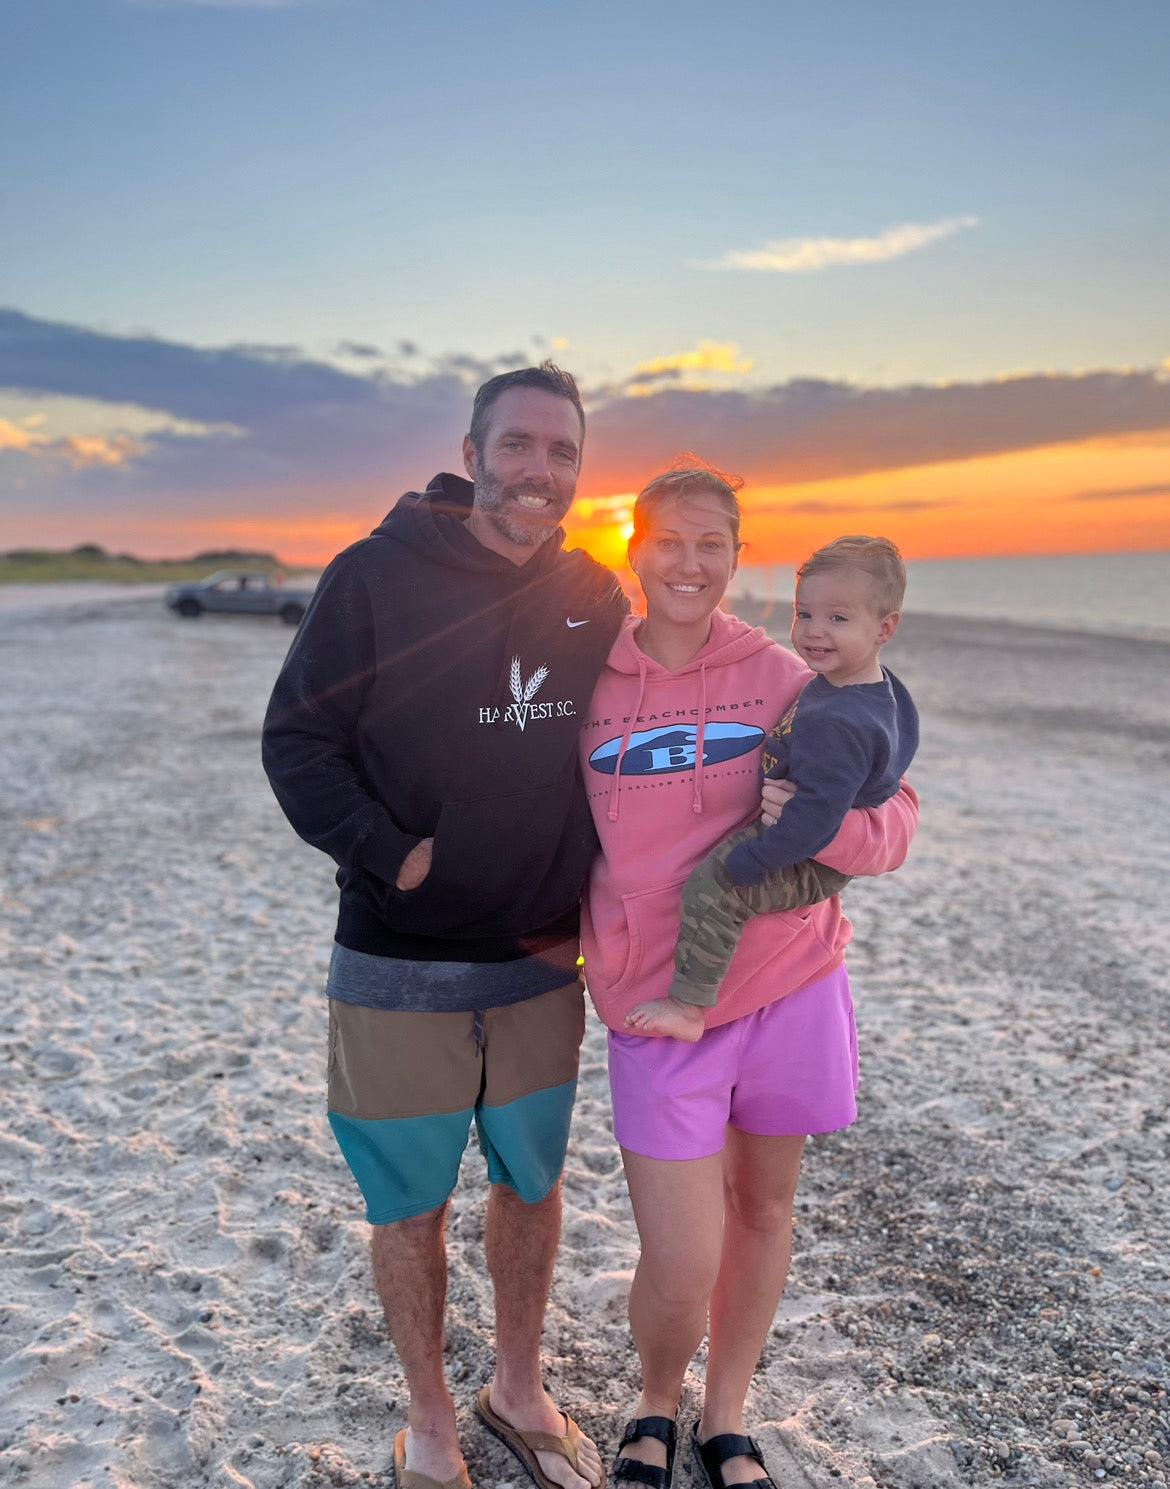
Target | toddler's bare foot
(666,1018)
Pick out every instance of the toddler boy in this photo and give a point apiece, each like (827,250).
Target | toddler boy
(845,742)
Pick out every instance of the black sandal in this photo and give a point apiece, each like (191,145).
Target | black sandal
(715,1452)
(650,1474)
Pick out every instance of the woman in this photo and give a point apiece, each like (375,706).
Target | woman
(712,1132)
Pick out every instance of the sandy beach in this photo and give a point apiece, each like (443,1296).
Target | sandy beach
(981,1286)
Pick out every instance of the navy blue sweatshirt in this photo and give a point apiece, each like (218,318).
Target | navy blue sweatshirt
(842,747)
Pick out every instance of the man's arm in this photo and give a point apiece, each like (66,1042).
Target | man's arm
(310,725)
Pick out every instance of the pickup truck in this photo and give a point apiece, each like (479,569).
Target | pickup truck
(240,592)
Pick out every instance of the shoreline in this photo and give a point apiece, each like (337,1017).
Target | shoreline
(980,1281)
(21,597)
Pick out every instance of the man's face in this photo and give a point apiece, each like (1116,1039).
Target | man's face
(526,475)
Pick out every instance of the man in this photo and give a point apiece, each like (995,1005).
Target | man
(423,732)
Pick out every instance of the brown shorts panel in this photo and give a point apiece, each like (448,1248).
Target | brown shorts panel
(384,1063)
(534,1045)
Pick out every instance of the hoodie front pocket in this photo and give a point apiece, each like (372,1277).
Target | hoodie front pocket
(652,917)
(500,865)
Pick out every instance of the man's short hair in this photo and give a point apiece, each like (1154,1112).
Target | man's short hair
(877,557)
(548,378)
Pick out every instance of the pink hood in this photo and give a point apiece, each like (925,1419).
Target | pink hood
(671,766)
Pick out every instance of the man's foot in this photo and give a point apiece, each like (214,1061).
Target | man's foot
(573,1462)
(666,1018)
(431,1455)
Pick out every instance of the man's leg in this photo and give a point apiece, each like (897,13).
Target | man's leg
(521,1243)
(410,1273)
(393,1079)
(530,1062)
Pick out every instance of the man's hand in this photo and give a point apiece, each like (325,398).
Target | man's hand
(416,865)
(774,797)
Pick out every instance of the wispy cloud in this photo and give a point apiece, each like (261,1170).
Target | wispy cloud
(1121,493)
(814,508)
(809,255)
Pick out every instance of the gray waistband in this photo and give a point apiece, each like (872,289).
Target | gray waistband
(446,987)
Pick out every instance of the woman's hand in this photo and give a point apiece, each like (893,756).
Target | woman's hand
(774,797)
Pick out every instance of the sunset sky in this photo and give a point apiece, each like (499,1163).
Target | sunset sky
(903,267)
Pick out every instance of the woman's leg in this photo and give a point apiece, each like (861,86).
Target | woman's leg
(760,1175)
(678,1208)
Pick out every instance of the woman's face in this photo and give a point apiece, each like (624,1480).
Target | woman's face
(685,559)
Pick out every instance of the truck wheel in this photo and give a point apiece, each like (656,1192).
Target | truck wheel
(189,609)
(292,615)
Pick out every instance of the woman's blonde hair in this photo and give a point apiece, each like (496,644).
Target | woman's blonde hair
(688,478)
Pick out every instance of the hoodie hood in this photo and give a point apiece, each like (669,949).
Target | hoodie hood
(433,524)
(731,641)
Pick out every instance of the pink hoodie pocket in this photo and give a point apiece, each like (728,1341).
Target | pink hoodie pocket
(651,917)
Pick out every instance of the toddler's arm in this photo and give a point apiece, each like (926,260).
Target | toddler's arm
(874,840)
(829,769)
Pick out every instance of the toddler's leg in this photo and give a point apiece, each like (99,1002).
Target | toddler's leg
(711,922)
(708,934)
(792,887)
(715,911)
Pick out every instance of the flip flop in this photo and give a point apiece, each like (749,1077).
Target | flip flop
(407,1478)
(526,1445)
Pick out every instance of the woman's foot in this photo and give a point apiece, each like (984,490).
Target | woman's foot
(646,1452)
(729,1459)
(666,1018)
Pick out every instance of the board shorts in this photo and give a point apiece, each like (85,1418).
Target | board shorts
(787,1070)
(405,1089)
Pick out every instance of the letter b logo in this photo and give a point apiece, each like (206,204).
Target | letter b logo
(673,757)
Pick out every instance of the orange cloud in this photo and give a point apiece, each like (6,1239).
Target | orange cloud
(708,356)
(79,451)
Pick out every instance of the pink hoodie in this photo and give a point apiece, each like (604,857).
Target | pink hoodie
(686,747)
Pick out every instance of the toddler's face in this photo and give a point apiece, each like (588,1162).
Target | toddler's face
(836,627)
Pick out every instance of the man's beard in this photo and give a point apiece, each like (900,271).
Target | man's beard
(492,498)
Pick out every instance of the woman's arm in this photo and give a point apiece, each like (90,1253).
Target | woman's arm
(874,840)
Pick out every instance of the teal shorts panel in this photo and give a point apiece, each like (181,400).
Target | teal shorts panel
(404,1088)
(525,1141)
(404,1166)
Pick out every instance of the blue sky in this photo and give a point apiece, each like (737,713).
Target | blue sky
(446,185)
(466,176)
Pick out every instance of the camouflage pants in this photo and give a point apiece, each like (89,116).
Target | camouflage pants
(715,911)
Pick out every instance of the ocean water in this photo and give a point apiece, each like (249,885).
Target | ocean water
(1122,593)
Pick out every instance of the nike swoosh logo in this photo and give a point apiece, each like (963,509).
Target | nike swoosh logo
(573,624)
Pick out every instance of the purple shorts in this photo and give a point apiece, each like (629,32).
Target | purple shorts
(787,1070)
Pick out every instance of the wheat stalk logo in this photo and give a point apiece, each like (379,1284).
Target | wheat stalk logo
(524,692)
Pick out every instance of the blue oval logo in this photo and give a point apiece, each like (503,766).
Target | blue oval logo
(671,747)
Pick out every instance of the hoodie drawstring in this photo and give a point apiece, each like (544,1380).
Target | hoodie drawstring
(615,789)
(700,740)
